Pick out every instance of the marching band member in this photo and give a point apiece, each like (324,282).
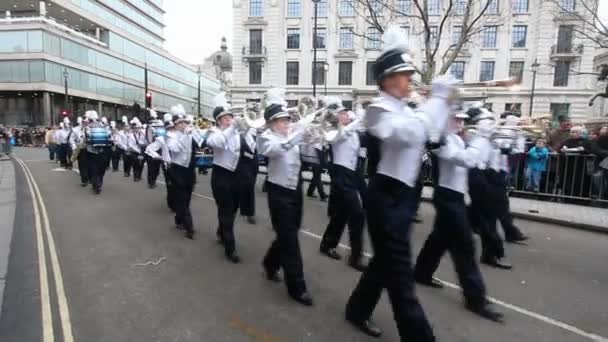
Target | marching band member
(280,144)
(345,189)
(181,170)
(116,151)
(168,120)
(107,151)
(63,137)
(451,231)
(78,146)
(227,145)
(398,137)
(154,164)
(121,142)
(135,145)
(247,175)
(98,142)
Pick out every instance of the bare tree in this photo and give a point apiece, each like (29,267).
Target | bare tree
(432,23)
(585,16)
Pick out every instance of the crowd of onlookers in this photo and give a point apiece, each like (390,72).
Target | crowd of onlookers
(24,136)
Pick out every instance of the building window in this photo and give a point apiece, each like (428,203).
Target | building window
(403,6)
(486,72)
(516,70)
(255,72)
(519,36)
(559,109)
(322,8)
(346,38)
(294,8)
(293,73)
(460,6)
(345,73)
(320,41)
(456,34)
(564,38)
(293,38)
(433,41)
(457,70)
(488,37)
(513,107)
(348,104)
(520,6)
(567,5)
(432,7)
(256,8)
(374,38)
(318,74)
(492,7)
(255,41)
(562,71)
(376,6)
(370,78)
(292,103)
(347,8)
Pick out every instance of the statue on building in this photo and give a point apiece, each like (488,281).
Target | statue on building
(219,65)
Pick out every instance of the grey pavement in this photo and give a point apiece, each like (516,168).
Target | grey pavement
(193,294)
(7,217)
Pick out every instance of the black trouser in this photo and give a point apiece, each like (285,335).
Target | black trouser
(96,163)
(452,233)
(64,154)
(286,215)
(483,212)
(316,182)
(153,169)
(225,188)
(504,211)
(170,190)
(137,162)
(390,212)
(247,172)
(126,162)
(52,151)
(117,154)
(347,208)
(83,166)
(182,184)
(68,156)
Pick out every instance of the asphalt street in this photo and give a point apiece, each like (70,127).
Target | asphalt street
(127,275)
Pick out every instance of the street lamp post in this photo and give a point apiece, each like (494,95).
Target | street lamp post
(66,74)
(314,49)
(198,98)
(534,66)
(325,69)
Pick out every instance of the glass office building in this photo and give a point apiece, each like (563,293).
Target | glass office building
(100,49)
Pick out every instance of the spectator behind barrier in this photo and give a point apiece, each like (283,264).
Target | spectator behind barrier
(536,164)
(560,134)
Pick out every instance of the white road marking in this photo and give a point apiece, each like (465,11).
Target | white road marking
(64,312)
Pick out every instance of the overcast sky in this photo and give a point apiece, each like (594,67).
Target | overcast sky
(195,27)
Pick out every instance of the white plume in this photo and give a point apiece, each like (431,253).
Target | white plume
(61,125)
(92,115)
(113,124)
(167,117)
(190,118)
(66,121)
(135,121)
(477,104)
(178,109)
(332,100)
(104,120)
(274,96)
(153,114)
(220,100)
(124,119)
(79,120)
(394,38)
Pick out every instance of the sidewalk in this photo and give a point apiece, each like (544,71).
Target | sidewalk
(7,217)
(569,215)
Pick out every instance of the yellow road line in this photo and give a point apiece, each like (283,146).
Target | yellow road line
(45,301)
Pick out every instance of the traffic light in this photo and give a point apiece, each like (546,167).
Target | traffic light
(64,113)
(149,100)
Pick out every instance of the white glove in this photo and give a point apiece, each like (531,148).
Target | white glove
(444,86)
(434,135)
(485,128)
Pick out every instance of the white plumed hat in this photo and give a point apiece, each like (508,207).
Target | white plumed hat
(92,115)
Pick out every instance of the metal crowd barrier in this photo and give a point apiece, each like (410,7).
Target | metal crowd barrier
(5,150)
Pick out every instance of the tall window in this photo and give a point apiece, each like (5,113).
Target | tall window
(516,70)
(492,7)
(486,72)
(255,72)
(518,36)
(488,37)
(457,70)
(376,6)
(374,38)
(320,41)
(318,73)
(347,8)
(432,7)
(256,8)
(322,8)
(345,73)
(346,38)
(403,6)
(562,71)
(520,6)
(433,41)
(456,34)
(255,41)
(564,38)
(460,6)
(567,5)
(294,8)
(513,107)
(559,109)
(293,73)
(369,74)
(293,38)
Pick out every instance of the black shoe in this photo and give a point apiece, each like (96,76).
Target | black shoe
(432,282)
(303,298)
(96,191)
(179,227)
(323,199)
(367,327)
(357,264)
(311,195)
(233,257)
(486,311)
(251,219)
(331,252)
(84,184)
(501,263)
(272,276)
(520,240)
(190,234)
(152,186)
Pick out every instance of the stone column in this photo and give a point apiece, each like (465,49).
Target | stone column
(100,109)
(42,8)
(46,109)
